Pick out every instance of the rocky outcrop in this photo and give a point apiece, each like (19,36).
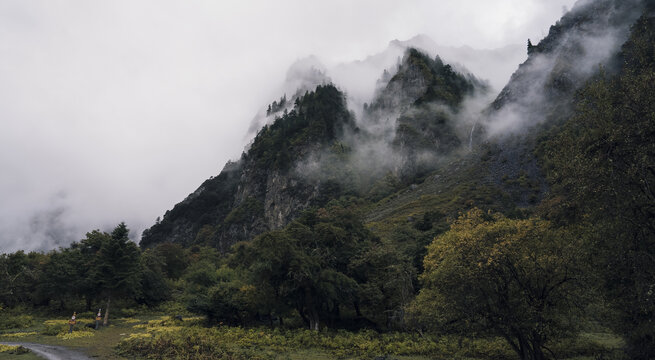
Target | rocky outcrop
(264,190)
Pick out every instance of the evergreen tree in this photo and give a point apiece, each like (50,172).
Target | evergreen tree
(115,267)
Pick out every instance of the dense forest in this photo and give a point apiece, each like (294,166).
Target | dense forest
(534,238)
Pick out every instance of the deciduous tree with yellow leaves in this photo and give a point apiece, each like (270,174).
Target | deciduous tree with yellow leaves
(490,275)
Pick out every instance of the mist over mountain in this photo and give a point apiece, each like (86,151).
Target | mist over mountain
(435,143)
(111,119)
(418,114)
(420,202)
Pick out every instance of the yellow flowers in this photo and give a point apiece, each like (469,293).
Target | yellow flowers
(13,349)
(138,336)
(75,335)
(19,334)
(129,320)
(55,322)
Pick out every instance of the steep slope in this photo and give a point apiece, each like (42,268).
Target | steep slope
(410,147)
(587,37)
(313,152)
(541,92)
(263,190)
(417,112)
(502,172)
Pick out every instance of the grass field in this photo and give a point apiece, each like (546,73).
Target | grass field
(162,337)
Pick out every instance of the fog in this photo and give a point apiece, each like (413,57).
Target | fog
(115,111)
(564,66)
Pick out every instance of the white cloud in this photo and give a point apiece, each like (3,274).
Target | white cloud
(115,110)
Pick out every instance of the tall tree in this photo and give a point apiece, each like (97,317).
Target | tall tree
(308,265)
(62,273)
(519,279)
(19,273)
(115,268)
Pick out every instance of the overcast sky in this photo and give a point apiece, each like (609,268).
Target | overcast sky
(116,110)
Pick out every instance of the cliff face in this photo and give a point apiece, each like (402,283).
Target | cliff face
(315,150)
(308,155)
(263,190)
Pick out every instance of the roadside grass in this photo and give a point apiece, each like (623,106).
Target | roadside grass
(16,352)
(164,337)
(100,344)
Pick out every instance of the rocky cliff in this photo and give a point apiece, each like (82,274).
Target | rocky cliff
(264,189)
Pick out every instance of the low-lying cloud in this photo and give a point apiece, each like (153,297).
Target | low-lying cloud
(562,66)
(114,111)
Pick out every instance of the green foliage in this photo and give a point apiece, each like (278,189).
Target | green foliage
(308,266)
(154,288)
(115,267)
(19,275)
(518,279)
(62,274)
(602,167)
(221,294)
(9,321)
(429,92)
(248,211)
(443,84)
(174,259)
(13,349)
(263,343)
(317,118)
(213,200)
(101,265)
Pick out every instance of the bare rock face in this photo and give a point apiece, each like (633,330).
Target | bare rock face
(298,161)
(264,190)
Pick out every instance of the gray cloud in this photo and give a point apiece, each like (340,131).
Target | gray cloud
(114,111)
(564,65)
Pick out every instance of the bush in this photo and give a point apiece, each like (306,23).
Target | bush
(15,322)
(54,327)
(129,312)
(13,349)
(173,308)
(261,343)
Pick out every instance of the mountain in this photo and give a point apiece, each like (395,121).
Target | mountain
(586,38)
(494,65)
(314,151)
(523,223)
(262,190)
(422,150)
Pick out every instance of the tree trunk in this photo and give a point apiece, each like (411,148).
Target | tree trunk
(357,310)
(529,349)
(313,320)
(536,349)
(524,348)
(87,300)
(106,321)
(302,315)
(312,312)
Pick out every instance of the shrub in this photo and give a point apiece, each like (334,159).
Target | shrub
(54,327)
(16,322)
(13,349)
(75,335)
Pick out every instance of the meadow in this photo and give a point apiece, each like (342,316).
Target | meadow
(161,336)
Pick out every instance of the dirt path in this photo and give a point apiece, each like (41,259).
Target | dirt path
(51,352)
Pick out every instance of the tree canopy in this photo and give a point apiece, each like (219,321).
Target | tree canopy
(519,279)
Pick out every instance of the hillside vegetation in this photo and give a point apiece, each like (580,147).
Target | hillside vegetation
(413,232)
